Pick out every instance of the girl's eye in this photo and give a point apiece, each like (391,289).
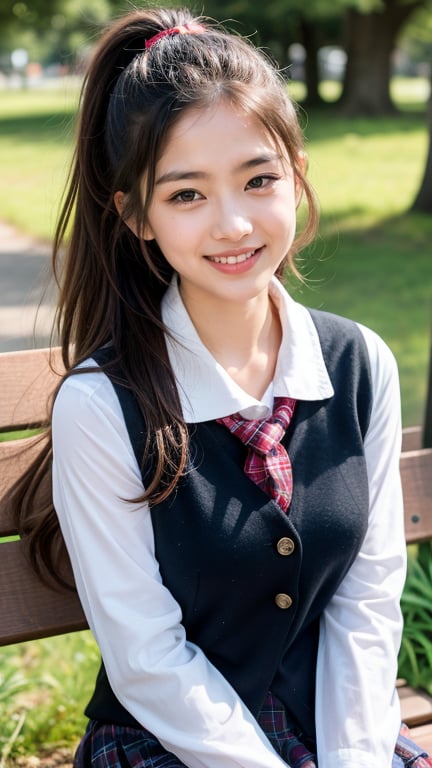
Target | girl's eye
(259,182)
(186,196)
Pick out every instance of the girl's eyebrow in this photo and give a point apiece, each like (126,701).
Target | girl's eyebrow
(183,175)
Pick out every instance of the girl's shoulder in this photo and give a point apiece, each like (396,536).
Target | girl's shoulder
(332,327)
(382,360)
(85,389)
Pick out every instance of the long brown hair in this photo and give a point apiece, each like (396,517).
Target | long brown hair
(111,282)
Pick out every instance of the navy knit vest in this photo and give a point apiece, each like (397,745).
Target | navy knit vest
(252,581)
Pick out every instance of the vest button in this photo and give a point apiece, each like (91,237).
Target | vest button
(285,546)
(283,601)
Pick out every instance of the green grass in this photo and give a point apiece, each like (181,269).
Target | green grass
(18,434)
(408,92)
(371,262)
(36,130)
(415,658)
(43,688)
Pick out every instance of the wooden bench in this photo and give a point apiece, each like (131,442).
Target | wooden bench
(30,610)
(416,473)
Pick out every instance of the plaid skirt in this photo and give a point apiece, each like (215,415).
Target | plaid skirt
(113,746)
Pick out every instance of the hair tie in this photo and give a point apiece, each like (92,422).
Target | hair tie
(184,29)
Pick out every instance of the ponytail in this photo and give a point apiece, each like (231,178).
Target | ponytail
(111,283)
(109,291)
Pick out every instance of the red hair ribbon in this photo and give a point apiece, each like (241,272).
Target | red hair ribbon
(186,29)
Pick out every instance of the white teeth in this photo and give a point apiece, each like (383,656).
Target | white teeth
(232,259)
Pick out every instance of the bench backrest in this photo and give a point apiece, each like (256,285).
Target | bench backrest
(28,609)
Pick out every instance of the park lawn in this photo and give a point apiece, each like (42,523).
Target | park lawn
(44,686)
(371,262)
(372,259)
(36,133)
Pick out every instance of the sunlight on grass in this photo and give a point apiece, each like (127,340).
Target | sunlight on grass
(36,130)
(410,91)
(47,101)
(407,92)
(361,173)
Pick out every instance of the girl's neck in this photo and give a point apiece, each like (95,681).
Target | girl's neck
(243,337)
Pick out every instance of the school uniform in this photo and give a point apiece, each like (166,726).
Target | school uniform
(206,602)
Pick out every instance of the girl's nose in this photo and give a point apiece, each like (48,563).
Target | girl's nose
(231,223)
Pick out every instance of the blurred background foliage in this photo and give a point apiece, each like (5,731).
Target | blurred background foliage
(367,33)
(361,43)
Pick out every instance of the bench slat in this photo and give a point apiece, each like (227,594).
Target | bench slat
(411,439)
(27,379)
(416,706)
(15,457)
(29,609)
(416,474)
(423,735)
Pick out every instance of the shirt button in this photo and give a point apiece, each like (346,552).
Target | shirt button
(285,546)
(283,601)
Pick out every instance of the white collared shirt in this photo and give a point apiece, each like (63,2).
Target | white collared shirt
(161,678)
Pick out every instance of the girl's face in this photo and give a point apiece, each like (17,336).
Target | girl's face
(223,210)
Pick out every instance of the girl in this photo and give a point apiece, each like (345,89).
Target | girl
(225,462)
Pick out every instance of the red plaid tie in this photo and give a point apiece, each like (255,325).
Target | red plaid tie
(267,462)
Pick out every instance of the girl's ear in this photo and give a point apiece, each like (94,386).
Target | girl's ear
(119,202)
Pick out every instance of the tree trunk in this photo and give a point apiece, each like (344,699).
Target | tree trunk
(369,44)
(423,200)
(309,38)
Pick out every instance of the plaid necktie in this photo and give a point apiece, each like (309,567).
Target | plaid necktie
(267,463)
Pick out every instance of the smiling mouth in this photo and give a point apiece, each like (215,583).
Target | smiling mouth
(233,259)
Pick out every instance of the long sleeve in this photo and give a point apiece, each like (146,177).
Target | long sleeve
(162,679)
(357,709)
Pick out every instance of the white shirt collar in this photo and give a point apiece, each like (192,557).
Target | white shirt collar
(208,392)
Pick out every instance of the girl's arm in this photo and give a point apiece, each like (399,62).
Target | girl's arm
(357,709)
(164,681)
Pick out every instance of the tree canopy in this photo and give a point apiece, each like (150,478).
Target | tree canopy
(368,31)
